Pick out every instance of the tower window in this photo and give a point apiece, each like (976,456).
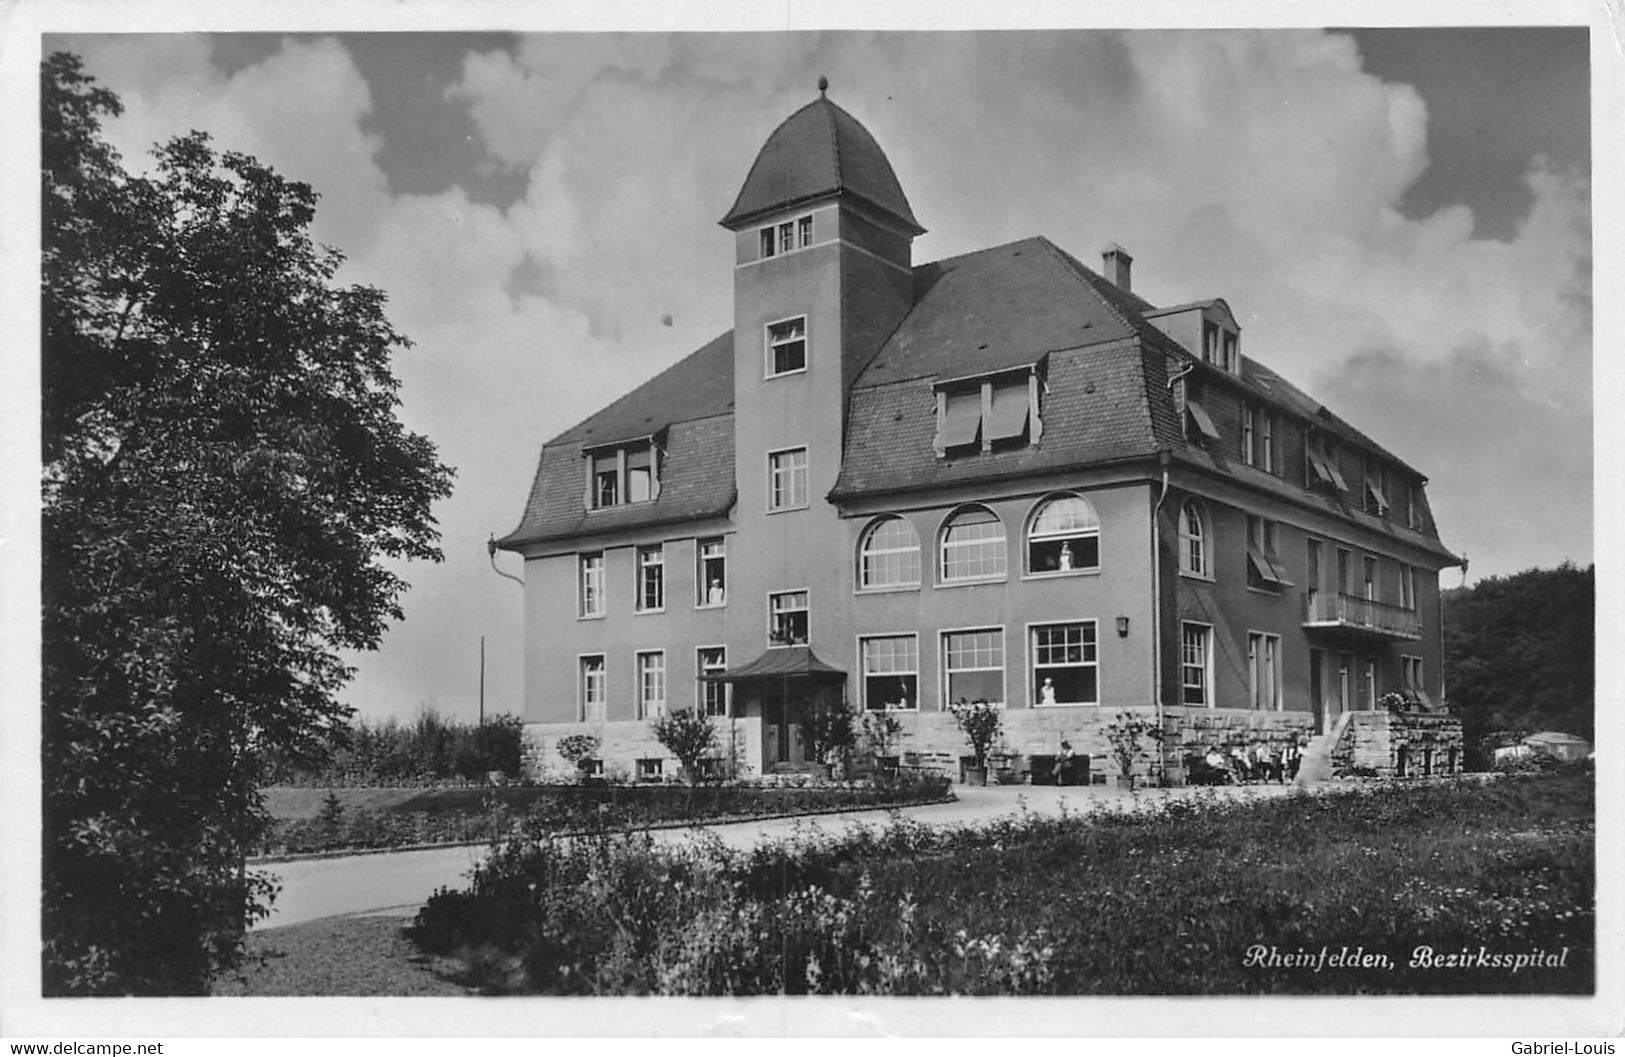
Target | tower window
(787,479)
(787,346)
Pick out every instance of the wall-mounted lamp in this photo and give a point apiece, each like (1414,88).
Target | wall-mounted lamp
(1122,627)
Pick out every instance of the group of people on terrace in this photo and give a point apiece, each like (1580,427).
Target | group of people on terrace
(1258,762)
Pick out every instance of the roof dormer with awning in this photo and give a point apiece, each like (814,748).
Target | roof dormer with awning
(981,412)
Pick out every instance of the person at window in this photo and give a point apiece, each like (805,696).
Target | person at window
(1046,693)
(714,594)
(1062,771)
(1066,558)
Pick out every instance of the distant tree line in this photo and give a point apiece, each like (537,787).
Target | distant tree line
(1520,654)
(428,749)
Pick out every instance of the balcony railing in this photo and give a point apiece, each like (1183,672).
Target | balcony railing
(1327,610)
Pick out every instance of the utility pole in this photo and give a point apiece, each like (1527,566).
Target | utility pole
(482,682)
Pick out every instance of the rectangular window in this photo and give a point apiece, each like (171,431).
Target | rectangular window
(1270,461)
(1410,674)
(651,769)
(651,684)
(1210,342)
(1065,664)
(1232,359)
(592,689)
(787,346)
(769,243)
(787,479)
(1264,568)
(1195,664)
(712,698)
(973,666)
(787,619)
(1370,578)
(1413,507)
(1345,559)
(804,231)
(1264,671)
(1376,489)
(606,479)
(711,578)
(591,593)
(651,579)
(1249,434)
(891,672)
(1407,587)
(639,475)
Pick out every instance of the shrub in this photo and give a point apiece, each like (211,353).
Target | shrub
(577,749)
(687,734)
(1127,737)
(1164,899)
(826,727)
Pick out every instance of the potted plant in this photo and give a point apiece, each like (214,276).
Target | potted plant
(880,730)
(981,723)
(826,729)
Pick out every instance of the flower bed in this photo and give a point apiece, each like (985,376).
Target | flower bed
(1166,900)
(454,815)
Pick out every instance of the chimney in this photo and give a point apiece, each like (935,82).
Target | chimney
(1115,264)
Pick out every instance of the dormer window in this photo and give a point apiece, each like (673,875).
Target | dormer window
(981,414)
(1376,490)
(1199,427)
(787,346)
(1210,341)
(786,236)
(622,473)
(1232,352)
(1320,464)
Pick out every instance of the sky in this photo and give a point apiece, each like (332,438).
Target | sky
(1399,218)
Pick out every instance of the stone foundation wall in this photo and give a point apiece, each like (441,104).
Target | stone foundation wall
(1399,744)
(623,743)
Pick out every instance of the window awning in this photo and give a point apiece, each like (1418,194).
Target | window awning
(1010,407)
(796,662)
(1199,415)
(1265,569)
(962,420)
(1376,493)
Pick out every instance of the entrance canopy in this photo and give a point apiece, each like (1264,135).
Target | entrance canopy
(794,662)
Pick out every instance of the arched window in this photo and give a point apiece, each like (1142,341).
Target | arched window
(889,555)
(973,546)
(1064,536)
(1193,551)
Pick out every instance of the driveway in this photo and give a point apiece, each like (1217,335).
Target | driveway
(400,882)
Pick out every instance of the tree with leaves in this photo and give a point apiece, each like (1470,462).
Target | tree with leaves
(689,735)
(224,480)
(1520,655)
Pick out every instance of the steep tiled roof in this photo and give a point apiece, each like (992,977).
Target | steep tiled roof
(818,151)
(693,402)
(1095,413)
(1283,393)
(1003,307)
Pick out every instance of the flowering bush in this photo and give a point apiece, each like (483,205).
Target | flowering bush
(981,724)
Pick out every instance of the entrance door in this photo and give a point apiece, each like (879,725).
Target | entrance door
(782,748)
(1317,692)
(1345,682)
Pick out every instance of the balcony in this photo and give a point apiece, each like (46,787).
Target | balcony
(1363,615)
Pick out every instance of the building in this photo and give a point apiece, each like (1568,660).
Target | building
(1003,476)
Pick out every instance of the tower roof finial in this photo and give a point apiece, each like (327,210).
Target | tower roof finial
(823,85)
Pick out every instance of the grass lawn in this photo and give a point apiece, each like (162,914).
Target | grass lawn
(339,956)
(1307,894)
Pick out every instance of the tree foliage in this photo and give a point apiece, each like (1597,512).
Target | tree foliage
(429,749)
(1520,653)
(224,478)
